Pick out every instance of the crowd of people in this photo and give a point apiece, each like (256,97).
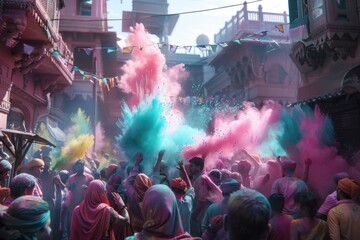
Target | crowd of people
(123,202)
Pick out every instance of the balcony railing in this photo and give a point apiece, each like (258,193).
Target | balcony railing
(245,22)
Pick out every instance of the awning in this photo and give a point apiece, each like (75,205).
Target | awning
(316,99)
(18,143)
(56,133)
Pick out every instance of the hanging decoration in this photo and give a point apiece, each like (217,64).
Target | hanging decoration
(110,82)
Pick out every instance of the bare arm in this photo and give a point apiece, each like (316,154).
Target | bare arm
(255,162)
(156,173)
(58,182)
(307,168)
(123,215)
(184,174)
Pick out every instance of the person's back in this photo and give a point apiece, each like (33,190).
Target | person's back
(227,187)
(248,216)
(185,200)
(308,227)
(331,199)
(289,186)
(280,223)
(344,218)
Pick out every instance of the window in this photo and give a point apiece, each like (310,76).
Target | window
(341,4)
(317,8)
(85,7)
(83,58)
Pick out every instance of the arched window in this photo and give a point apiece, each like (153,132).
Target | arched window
(16,120)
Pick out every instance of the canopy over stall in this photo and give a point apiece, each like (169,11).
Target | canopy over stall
(18,143)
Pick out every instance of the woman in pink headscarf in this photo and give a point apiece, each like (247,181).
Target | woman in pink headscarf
(161,215)
(135,196)
(91,220)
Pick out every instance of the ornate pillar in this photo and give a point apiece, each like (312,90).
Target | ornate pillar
(5,89)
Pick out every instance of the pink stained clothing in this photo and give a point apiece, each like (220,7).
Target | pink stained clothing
(91,219)
(280,227)
(206,190)
(289,186)
(343,220)
(76,190)
(161,215)
(330,202)
(38,189)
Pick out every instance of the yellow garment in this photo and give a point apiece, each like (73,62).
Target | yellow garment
(318,232)
(343,220)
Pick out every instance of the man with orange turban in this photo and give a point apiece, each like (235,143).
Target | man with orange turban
(184,194)
(344,218)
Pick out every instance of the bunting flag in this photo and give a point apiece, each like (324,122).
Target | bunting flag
(28,49)
(223,44)
(55,53)
(127,50)
(280,28)
(213,47)
(74,69)
(110,50)
(160,45)
(187,48)
(173,48)
(88,51)
(202,47)
(110,82)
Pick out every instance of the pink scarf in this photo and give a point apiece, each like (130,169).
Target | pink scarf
(91,219)
(161,214)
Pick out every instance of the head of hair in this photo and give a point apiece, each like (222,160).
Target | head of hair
(197,161)
(229,186)
(20,184)
(307,201)
(103,173)
(80,162)
(341,175)
(244,167)
(215,176)
(277,202)
(248,215)
(5,166)
(64,175)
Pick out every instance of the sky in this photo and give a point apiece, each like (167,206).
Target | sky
(190,26)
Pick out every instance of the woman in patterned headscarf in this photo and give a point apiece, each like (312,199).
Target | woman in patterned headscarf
(91,220)
(161,216)
(135,198)
(30,215)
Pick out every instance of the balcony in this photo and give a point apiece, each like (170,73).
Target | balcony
(33,37)
(249,22)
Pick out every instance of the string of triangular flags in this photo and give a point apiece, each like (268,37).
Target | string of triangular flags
(108,82)
(262,37)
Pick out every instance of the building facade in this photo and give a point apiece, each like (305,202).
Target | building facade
(84,27)
(30,73)
(254,64)
(325,49)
